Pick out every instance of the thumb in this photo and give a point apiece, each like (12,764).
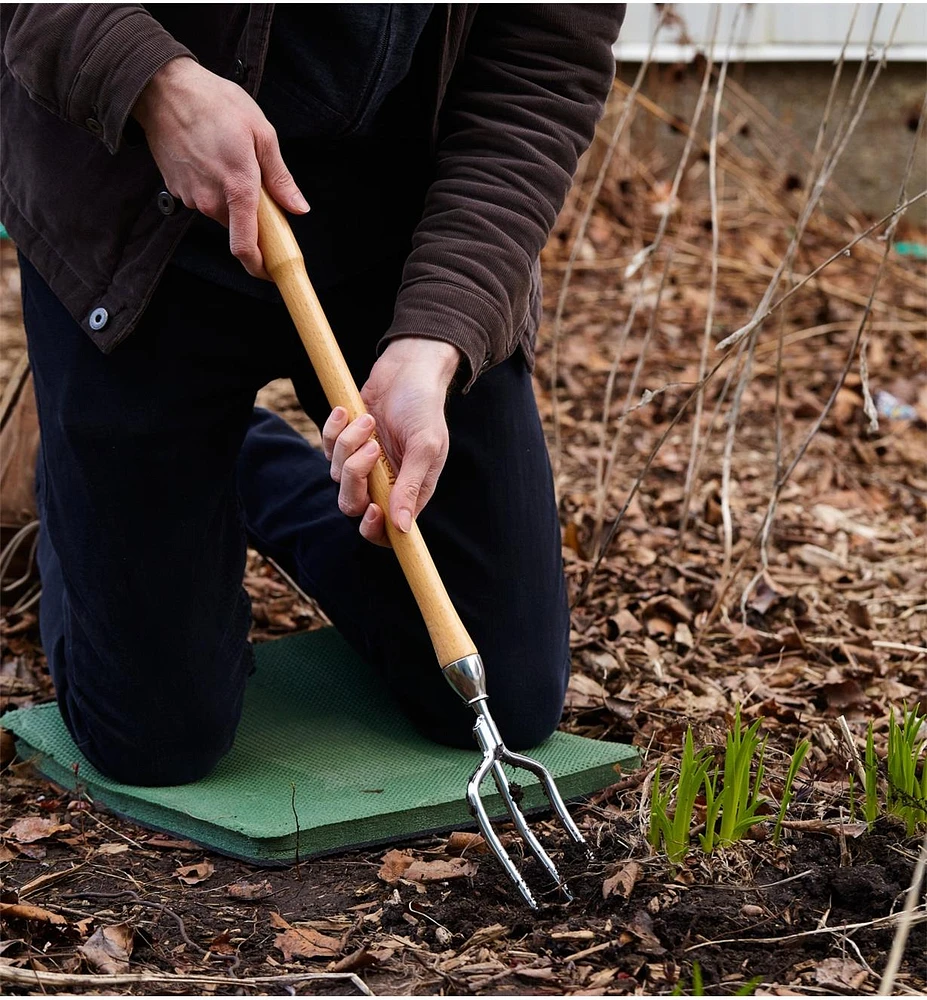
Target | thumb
(278,180)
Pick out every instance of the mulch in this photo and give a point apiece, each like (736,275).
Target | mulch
(673,626)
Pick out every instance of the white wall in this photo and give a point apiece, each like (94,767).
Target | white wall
(769,32)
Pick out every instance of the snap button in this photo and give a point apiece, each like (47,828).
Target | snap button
(166,203)
(98,318)
(238,73)
(485,365)
(94,126)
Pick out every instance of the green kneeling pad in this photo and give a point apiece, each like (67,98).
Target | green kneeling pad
(318,719)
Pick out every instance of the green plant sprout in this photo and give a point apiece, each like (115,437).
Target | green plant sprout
(906,796)
(731,792)
(798,758)
(673,832)
(698,985)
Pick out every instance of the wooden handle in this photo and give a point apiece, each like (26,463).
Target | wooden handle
(284,263)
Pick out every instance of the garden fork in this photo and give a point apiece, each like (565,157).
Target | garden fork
(456,652)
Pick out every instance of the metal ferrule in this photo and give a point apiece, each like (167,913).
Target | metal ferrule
(467,677)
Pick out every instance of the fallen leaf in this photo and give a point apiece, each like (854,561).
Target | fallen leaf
(194,874)
(32,828)
(360,959)
(844,694)
(626,622)
(303,942)
(842,973)
(765,595)
(26,911)
(6,854)
(250,890)
(623,881)
(584,692)
(108,949)
(394,865)
(112,848)
(440,870)
(35,852)
(641,926)
(221,944)
(466,843)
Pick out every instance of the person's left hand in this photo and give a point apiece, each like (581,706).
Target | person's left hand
(405,396)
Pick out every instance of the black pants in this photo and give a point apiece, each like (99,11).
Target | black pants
(156,469)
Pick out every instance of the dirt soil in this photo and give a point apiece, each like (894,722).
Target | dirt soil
(684,609)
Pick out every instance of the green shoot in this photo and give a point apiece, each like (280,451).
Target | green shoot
(698,985)
(739,797)
(798,757)
(673,833)
(698,981)
(871,789)
(907,794)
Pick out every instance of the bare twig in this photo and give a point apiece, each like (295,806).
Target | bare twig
(33,977)
(604,469)
(919,915)
(713,284)
(626,113)
(852,749)
(904,924)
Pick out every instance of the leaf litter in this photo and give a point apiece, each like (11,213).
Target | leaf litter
(666,632)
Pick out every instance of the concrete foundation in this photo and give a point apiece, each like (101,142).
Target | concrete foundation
(873,163)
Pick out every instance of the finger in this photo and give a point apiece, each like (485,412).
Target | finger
(276,176)
(336,423)
(353,437)
(373,526)
(421,465)
(243,228)
(353,498)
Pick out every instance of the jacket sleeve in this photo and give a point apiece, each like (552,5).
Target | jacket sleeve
(86,63)
(520,109)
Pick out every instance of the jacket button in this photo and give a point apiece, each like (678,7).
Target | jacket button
(166,203)
(98,318)
(238,73)
(94,126)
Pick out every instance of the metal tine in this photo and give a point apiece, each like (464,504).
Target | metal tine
(478,810)
(550,789)
(502,783)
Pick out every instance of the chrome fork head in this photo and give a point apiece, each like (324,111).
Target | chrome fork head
(467,678)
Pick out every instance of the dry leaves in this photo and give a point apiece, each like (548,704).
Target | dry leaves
(26,911)
(250,890)
(397,865)
(108,949)
(194,874)
(303,942)
(32,828)
(623,881)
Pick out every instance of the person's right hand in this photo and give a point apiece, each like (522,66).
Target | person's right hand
(214,148)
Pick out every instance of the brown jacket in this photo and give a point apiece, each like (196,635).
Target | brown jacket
(518,90)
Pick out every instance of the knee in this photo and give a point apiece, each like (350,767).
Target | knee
(530,720)
(189,752)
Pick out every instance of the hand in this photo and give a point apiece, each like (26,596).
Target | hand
(214,146)
(405,396)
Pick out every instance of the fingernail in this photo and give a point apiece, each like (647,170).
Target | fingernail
(405,520)
(365,421)
(301,204)
(370,515)
(339,413)
(371,448)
